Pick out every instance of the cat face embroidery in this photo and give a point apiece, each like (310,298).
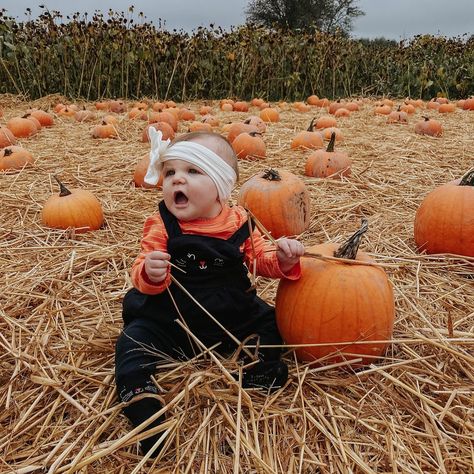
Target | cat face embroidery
(202,265)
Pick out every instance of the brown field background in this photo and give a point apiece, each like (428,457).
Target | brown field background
(60,315)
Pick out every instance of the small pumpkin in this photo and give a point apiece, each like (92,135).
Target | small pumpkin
(382,109)
(342,112)
(444,221)
(429,126)
(104,130)
(269,114)
(279,199)
(256,122)
(84,115)
(140,172)
(241,106)
(397,116)
(342,311)
(14,158)
(328,163)
(236,128)
(199,127)
(186,114)
(22,127)
(117,106)
(447,108)
(166,130)
(249,146)
(167,117)
(75,208)
(6,137)
(308,139)
(325,121)
(468,104)
(44,118)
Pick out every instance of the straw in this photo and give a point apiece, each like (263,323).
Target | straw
(60,315)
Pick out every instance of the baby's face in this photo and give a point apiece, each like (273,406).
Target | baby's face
(188,192)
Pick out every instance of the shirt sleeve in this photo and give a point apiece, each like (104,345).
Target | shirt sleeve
(154,237)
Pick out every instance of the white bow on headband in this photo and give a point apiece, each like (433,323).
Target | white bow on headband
(223,175)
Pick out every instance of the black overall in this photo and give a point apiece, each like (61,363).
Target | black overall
(216,277)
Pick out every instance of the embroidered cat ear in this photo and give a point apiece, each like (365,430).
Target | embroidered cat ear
(158,148)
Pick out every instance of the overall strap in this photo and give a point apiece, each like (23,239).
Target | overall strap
(171,223)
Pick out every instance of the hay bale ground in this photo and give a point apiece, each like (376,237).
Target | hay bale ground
(60,305)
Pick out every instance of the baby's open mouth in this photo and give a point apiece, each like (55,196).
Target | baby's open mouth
(180,197)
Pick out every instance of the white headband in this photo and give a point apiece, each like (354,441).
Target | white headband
(223,175)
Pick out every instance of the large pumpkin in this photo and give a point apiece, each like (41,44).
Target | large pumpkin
(280,201)
(342,311)
(75,208)
(444,222)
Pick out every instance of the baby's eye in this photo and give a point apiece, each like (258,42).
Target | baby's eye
(169,173)
(193,171)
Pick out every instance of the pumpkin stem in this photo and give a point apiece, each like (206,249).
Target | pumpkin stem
(426,118)
(350,248)
(467,179)
(247,122)
(254,134)
(63,190)
(311,125)
(271,175)
(331,143)
(7,152)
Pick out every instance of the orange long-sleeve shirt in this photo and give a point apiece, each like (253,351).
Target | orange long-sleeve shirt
(223,226)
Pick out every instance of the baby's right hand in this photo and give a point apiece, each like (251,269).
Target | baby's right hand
(156,265)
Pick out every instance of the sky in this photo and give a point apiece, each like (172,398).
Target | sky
(392,19)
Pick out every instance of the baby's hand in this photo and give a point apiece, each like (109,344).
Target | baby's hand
(156,265)
(288,253)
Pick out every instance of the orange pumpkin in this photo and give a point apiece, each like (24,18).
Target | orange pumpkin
(44,118)
(205,109)
(279,199)
(342,112)
(15,158)
(186,114)
(249,146)
(397,116)
(235,129)
(341,311)
(164,117)
(117,106)
(325,121)
(199,127)
(241,106)
(269,114)
(75,208)
(6,137)
(84,115)
(22,127)
(444,221)
(308,139)
(429,126)
(166,129)
(140,172)
(313,99)
(328,163)
(256,122)
(226,107)
(446,108)
(468,104)
(383,109)
(105,130)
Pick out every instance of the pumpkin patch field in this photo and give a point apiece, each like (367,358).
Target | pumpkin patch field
(380,334)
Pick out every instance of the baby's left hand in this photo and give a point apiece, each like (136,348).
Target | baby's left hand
(288,253)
